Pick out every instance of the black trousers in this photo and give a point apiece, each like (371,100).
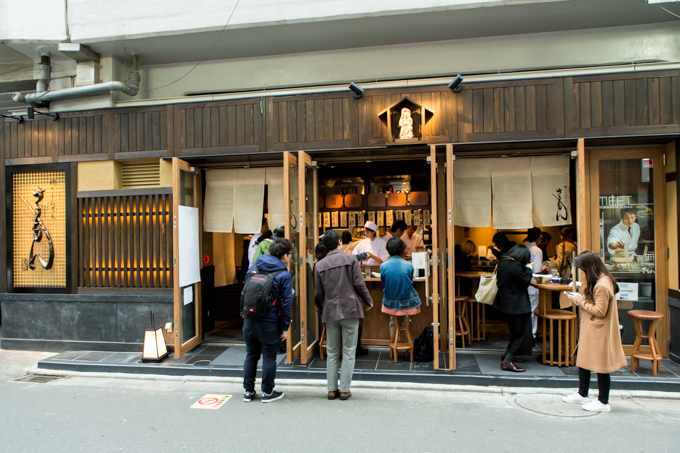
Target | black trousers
(521,339)
(603,384)
(262,339)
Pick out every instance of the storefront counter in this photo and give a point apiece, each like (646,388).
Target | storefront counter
(376,330)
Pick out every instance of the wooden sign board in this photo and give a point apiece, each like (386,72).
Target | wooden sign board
(376,200)
(334,201)
(396,199)
(419,198)
(354,200)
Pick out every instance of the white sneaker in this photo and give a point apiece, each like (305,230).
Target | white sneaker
(576,398)
(597,406)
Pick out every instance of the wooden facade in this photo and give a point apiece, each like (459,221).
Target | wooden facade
(608,105)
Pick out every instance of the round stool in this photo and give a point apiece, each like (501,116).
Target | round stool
(401,339)
(462,324)
(561,334)
(653,353)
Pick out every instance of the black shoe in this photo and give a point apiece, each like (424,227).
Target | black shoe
(361,351)
(511,367)
(248,396)
(273,396)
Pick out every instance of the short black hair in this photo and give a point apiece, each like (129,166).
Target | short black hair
(547,236)
(398,225)
(346,237)
(280,232)
(320,251)
(500,238)
(628,210)
(330,239)
(280,247)
(395,247)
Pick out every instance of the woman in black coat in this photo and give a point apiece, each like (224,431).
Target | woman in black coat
(513,277)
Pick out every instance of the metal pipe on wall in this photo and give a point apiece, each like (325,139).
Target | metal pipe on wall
(42,97)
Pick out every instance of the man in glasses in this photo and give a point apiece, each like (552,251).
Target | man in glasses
(372,245)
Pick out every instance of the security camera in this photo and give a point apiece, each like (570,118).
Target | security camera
(455,84)
(357,90)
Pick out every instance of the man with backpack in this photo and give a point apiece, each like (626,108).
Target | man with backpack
(266,301)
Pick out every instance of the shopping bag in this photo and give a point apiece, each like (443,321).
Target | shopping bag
(487,290)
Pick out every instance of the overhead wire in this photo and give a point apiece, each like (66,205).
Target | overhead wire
(206,54)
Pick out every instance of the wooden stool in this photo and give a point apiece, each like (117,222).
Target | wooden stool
(322,341)
(653,353)
(477,320)
(561,331)
(401,342)
(461,322)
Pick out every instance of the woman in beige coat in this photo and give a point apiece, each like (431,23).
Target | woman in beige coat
(599,346)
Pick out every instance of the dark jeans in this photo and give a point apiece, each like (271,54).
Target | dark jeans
(603,384)
(262,338)
(521,340)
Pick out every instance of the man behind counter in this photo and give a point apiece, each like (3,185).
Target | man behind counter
(625,234)
(372,245)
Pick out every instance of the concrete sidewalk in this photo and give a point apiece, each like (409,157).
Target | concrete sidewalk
(474,370)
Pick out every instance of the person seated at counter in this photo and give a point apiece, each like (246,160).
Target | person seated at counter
(400,298)
(396,231)
(624,235)
(502,245)
(463,255)
(348,244)
(414,242)
(372,245)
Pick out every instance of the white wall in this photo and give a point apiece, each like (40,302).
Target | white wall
(471,56)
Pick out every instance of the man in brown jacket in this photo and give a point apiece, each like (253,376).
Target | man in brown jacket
(340,285)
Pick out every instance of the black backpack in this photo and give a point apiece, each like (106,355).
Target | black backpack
(423,347)
(256,296)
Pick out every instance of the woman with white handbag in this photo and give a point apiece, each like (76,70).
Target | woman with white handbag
(514,274)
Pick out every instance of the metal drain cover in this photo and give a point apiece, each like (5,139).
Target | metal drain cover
(551,405)
(202,362)
(38,378)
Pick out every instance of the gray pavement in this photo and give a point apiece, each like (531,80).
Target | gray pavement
(108,412)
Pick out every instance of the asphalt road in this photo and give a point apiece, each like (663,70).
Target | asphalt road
(116,413)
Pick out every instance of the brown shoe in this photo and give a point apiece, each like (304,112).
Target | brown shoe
(506,367)
(334,394)
(345,395)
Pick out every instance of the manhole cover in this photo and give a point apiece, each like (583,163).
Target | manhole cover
(551,405)
(38,378)
(202,363)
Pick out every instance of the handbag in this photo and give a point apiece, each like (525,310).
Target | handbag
(487,290)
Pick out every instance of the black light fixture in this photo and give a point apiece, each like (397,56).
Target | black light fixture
(455,84)
(357,90)
(31,112)
(16,118)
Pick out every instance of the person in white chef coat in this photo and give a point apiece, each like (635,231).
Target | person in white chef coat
(624,236)
(373,245)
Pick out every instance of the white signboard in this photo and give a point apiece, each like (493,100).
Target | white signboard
(189,260)
(627,291)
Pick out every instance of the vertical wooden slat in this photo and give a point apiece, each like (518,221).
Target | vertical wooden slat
(666,102)
(125,240)
(641,103)
(198,127)
(132,131)
(231,125)
(105,242)
(141,132)
(338,119)
(319,128)
(89,135)
(86,243)
(155,131)
(214,126)
(584,104)
(654,101)
(596,104)
(629,99)
(143,243)
(206,123)
(520,109)
(328,119)
(619,103)
(82,136)
(530,106)
(97,134)
(81,248)
(240,125)
(542,107)
(115,257)
(147,132)
(223,126)
(607,103)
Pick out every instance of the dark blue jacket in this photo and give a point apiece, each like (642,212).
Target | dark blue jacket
(282,290)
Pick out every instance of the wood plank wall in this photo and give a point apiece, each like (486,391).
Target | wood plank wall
(644,103)
(220,127)
(125,241)
(318,121)
(621,105)
(140,132)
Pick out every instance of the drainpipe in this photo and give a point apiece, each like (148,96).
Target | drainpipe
(42,96)
(45,69)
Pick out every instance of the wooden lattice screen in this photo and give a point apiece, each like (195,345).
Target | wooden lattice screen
(125,241)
